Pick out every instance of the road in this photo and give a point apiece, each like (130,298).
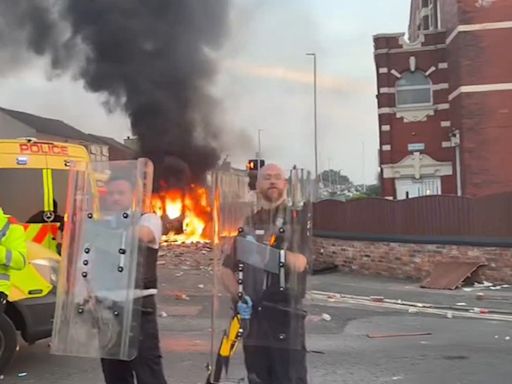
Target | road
(462,351)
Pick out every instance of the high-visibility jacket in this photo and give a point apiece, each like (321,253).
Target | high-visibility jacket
(13,250)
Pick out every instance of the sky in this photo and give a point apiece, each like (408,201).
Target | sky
(265,82)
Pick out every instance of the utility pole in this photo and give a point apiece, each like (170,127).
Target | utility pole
(315,114)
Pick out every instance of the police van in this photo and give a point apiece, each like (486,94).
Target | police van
(33,189)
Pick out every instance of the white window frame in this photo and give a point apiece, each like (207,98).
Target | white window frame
(421,186)
(430,10)
(412,88)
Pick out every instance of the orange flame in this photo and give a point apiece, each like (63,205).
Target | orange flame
(192,211)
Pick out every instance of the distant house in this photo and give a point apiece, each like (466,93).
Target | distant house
(15,124)
(116,150)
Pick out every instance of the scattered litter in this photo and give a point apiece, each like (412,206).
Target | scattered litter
(479,310)
(495,288)
(387,335)
(313,318)
(461,304)
(317,318)
(413,310)
(507,338)
(179,274)
(332,297)
(424,342)
(496,337)
(181,296)
(163,314)
(23,374)
(397,378)
(1,377)
(449,315)
(483,285)
(200,286)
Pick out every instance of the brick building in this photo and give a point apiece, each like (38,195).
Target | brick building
(445,100)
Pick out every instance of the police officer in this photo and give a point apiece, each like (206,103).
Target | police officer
(147,366)
(274,346)
(13,254)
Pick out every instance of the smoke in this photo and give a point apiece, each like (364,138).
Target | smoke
(153,59)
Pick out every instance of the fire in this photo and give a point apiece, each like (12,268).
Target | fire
(173,204)
(185,213)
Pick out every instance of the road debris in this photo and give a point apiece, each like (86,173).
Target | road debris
(326,317)
(327,298)
(181,296)
(389,335)
(163,314)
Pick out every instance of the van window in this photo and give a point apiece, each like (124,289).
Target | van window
(22,192)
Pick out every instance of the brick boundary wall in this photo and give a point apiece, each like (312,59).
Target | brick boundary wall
(410,261)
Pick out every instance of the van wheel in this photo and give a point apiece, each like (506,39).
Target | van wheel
(8,342)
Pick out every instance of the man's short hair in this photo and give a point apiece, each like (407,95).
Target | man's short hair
(122,177)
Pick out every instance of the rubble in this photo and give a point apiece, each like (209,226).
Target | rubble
(192,256)
(181,296)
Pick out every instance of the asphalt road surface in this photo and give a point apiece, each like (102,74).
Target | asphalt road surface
(465,351)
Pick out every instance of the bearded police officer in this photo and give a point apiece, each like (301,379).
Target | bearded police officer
(271,300)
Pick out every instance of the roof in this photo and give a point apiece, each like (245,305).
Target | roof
(111,142)
(47,126)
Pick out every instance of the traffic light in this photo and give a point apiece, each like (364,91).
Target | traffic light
(253,166)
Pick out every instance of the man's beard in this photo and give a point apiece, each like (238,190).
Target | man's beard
(269,203)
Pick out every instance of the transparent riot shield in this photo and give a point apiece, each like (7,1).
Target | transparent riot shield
(264,255)
(99,295)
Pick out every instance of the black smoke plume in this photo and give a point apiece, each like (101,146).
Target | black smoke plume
(154,59)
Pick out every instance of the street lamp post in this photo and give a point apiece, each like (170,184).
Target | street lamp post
(315,113)
(259,142)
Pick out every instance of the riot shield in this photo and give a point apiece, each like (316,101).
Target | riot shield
(264,255)
(100,292)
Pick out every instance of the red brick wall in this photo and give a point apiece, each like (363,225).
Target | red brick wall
(486,126)
(403,133)
(410,261)
(470,13)
(484,118)
(449,14)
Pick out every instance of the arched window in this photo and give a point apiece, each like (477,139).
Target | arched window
(413,89)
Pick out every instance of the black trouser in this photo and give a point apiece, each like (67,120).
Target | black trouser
(270,365)
(147,366)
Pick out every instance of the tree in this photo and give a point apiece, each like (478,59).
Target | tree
(334,177)
(373,190)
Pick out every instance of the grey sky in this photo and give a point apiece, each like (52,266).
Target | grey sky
(265,82)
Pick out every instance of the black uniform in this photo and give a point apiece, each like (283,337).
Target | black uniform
(147,366)
(274,347)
